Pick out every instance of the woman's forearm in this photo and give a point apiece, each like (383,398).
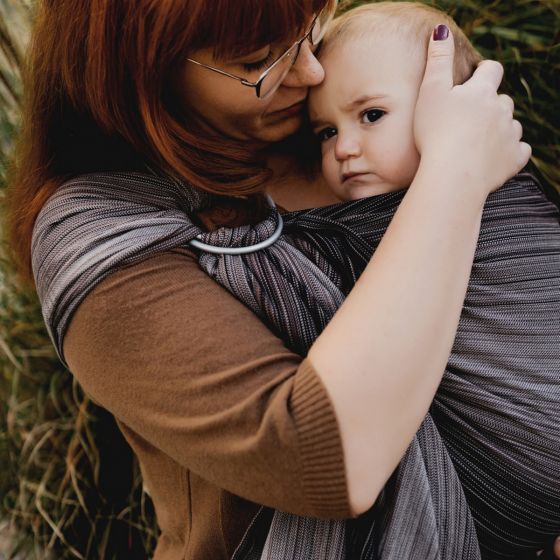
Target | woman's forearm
(383,354)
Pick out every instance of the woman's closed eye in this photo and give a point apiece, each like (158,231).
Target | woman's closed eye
(261,64)
(372,115)
(326,133)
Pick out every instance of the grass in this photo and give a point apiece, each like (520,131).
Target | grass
(69,486)
(68,482)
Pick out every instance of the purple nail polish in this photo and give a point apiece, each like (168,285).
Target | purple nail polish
(441,32)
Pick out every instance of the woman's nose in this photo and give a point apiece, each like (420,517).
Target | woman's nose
(347,146)
(306,71)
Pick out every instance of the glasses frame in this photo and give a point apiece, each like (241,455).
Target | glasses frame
(297,45)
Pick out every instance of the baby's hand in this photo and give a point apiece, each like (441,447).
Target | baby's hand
(467,131)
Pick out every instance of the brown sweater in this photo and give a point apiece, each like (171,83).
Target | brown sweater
(220,414)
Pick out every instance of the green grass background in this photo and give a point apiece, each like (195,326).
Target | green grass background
(69,487)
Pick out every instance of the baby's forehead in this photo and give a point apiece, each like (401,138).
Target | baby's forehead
(375,56)
(380,40)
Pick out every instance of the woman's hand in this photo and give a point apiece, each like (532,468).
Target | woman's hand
(467,131)
(555,551)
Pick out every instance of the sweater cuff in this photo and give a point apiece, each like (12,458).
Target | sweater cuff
(324,476)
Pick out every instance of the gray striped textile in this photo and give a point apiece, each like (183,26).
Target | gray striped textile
(481,479)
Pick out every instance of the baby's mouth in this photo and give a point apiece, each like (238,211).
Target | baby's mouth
(357,175)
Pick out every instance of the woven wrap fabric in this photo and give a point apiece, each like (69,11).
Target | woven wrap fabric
(482,476)
(97,223)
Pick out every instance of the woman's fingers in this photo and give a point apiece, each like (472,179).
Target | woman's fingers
(525,151)
(554,553)
(507,102)
(469,129)
(488,72)
(517,130)
(439,63)
(557,548)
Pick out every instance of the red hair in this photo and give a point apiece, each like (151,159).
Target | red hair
(98,96)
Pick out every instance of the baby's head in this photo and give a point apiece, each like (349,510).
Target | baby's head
(374,58)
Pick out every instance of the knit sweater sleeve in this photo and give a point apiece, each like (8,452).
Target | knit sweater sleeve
(193,371)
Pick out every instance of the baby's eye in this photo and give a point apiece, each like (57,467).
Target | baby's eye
(326,133)
(372,115)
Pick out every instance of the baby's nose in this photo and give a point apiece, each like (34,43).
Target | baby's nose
(347,146)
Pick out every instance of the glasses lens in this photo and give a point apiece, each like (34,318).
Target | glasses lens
(280,69)
(322,23)
(278,72)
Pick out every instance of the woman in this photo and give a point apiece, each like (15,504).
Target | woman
(223,416)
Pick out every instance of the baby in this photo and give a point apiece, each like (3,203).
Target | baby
(363,111)
(498,407)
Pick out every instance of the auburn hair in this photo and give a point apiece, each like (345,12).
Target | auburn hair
(98,96)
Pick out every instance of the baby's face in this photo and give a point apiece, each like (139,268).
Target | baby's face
(363,114)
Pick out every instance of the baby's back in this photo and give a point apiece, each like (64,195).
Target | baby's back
(498,407)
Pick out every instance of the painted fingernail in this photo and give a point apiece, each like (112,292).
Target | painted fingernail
(441,32)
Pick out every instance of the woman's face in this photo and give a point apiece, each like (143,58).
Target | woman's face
(224,105)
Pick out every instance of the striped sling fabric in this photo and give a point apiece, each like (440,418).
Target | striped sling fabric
(481,479)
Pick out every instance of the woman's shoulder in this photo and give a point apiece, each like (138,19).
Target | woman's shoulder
(111,186)
(160,303)
(97,224)
(160,279)
(175,268)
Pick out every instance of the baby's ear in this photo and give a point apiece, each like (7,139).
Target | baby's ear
(439,64)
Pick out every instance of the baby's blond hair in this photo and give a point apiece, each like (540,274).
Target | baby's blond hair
(412,20)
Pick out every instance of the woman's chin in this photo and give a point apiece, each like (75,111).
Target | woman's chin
(278,129)
(267,129)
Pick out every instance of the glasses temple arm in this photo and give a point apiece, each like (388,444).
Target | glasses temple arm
(223,72)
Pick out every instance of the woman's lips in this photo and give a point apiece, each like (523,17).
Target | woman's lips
(293,109)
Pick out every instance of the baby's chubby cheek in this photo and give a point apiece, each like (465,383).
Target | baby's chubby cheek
(330,169)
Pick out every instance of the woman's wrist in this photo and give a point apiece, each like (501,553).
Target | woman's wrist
(438,177)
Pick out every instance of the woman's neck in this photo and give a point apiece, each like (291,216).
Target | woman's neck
(295,189)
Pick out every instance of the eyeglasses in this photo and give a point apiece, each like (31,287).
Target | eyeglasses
(269,81)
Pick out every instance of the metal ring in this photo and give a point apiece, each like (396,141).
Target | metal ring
(241,250)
